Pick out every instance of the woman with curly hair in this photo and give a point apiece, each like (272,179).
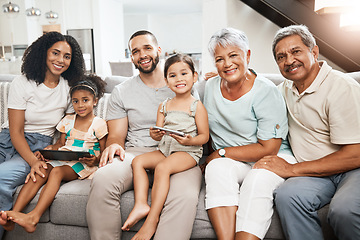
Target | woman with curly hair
(37,101)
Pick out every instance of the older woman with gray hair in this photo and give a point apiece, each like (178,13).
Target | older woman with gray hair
(247,118)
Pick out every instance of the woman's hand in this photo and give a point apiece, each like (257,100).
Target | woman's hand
(156,134)
(202,167)
(276,165)
(39,168)
(209,158)
(90,161)
(212,156)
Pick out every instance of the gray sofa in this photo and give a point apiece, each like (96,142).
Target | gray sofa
(66,217)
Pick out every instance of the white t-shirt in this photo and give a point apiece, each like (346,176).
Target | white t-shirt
(139,103)
(324,116)
(44,107)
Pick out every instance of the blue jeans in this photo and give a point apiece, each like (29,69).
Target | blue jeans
(13,168)
(298,199)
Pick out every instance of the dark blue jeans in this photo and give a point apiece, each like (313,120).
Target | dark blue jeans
(298,199)
(13,168)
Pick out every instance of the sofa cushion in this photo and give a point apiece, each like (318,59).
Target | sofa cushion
(71,198)
(49,231)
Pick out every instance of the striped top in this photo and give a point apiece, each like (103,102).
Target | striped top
(82,141)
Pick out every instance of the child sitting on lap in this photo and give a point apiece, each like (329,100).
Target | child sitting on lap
(82,131)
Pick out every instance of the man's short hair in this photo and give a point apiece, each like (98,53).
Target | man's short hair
(143,32)
(301,30)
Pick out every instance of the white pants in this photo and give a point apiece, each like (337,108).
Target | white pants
(234,183)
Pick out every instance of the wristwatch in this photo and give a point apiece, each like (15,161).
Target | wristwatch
(222,152)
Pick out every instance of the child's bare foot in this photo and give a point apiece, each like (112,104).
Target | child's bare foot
(5,223)
(137,213)
(27,221)
(146,231)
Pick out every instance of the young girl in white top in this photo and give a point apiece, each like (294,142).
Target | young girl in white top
(82,131)
(176,153)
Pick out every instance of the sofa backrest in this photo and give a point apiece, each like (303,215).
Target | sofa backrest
(112,81)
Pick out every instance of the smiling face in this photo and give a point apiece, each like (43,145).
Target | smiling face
(296,61)
(231,63)
(58,58)
(180,78)
(83,102)
(145,53)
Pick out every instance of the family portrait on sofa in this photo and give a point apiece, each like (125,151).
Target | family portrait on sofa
(237,155)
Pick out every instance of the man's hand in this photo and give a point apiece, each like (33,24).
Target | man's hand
(210,75)
(276,165)
(109,153)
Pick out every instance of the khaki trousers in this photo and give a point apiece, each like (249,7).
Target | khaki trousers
(109,182)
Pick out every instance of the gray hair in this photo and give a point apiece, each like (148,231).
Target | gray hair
(301,30)
(228,37)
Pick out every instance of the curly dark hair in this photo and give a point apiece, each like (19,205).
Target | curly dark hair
(34,59)
(91,83)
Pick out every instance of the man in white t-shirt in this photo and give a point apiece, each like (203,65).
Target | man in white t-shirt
(131,112)
(324,133)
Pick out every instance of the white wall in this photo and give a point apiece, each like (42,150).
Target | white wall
(260,31)
(181,32)
(218,14)
(214,18)
(108,34)
(133,23)
(178,32)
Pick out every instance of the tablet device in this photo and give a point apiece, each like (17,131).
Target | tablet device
(168,131)
(63,155)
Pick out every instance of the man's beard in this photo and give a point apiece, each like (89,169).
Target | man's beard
(154,63)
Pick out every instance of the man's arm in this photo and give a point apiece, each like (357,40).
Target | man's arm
(115,143)
(345,159)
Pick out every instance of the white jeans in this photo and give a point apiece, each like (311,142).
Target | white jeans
(234,183)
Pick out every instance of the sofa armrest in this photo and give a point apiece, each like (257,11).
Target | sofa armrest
(4,92)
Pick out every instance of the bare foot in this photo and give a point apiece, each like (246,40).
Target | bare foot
(27,221)
(146,231)
(137,213)
(5,223)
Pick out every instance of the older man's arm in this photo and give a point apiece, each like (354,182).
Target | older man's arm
(345,159)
